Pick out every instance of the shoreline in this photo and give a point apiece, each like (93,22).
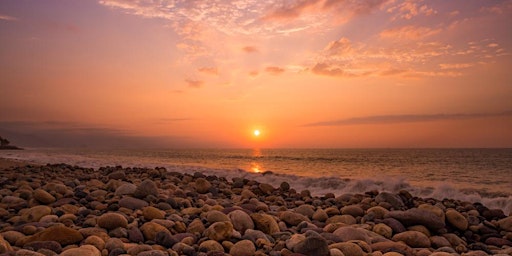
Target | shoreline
(144,211)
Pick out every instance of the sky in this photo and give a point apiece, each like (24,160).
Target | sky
(208,73)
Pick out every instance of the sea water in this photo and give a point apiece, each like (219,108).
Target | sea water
(475,175)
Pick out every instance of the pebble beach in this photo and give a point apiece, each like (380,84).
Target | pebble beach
(60,209)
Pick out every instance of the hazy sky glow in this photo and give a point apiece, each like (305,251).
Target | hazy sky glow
(305,73)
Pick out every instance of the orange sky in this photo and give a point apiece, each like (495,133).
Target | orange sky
(200,73)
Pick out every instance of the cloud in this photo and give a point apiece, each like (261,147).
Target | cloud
(194,83)
(455,65)
(408,33)
(250,49)
(274,70)
(394,119)
(410,9)
(8,18)
(327,70)
(209,70)
(76,135)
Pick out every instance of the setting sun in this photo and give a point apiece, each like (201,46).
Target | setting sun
(256,133)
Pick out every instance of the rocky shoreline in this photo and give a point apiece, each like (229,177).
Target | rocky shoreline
(69,210)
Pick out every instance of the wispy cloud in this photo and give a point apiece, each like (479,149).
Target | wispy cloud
(7,18)
(409,33)
(194,83)
(209,70)
(394,119)
(274,70)
(410,9)
(250,49)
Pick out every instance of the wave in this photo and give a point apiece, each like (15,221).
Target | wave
(318,186)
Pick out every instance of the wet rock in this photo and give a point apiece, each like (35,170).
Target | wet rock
(394,200)
(146,188)
(202,186)
(243,248)
(61,234)
(351,233)
(125,189)
(293,218)
(348,248)
(132,203)
(4,245)
(117,175)
(416,216)
(265,223)
(50,245)
(211,246)
(413,239)
(150,213)
(241,220)
(505,223)
(219,231)
(216,216)
(353,210)
(150,230)
(383,230)
(35,213)
(456,219)
(112,220)
(312,246)
(43,197)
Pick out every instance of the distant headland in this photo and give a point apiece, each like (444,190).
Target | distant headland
(4,144)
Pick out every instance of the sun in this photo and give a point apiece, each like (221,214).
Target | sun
(256,133)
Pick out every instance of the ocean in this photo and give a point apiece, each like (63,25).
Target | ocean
(475,175)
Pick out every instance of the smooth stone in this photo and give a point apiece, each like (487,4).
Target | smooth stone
(4,245)
(196,226)
(254,235)
(150,229)
(456,219)
(439,241)
(243,248)
(95,241)
(267,189)
(219,231)
(112,220)
(117,175)
(335,252)
(312,246)
(165,239)
(306,210)
(153,253)
(505,224)
(202,186)
(414,239)
(135,235)
(84,250)
(353,210)
(35,213)
(135,250)
(394,200)
(348,248)
(347,219)
(498,241)
(146,188)
(266,223)
(43,197)
(114,243)
(292,218)
(383,246)
(150,213)
(378,212)
(216,216)
(383,230)
(11,236)
(61,234)
(241,221)
(294,240)
(351,233)
(320,215)
(132,203)
(211,246)
(126,189)
(416,216)
(37,245)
